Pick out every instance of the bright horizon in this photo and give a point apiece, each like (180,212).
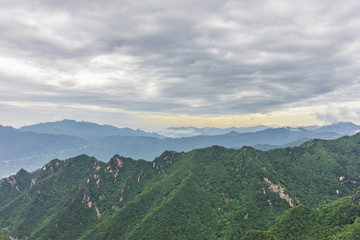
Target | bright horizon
(163,130)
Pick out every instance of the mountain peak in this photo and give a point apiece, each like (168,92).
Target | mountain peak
(69,120)
(343,128)
(84,129)
(232,133)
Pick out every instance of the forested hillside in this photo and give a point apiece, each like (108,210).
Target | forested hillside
(336,220)
(210,193)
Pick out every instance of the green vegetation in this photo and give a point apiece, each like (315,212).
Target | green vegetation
(210,193)
(337,220)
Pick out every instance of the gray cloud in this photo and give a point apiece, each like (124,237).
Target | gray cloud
(331,116)
(181,57)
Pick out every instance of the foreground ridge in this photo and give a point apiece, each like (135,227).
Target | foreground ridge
(209,193)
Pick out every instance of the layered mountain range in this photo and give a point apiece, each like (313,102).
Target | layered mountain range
(304,192)
(32,146)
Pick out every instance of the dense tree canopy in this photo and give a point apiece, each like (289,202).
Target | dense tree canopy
(210,193)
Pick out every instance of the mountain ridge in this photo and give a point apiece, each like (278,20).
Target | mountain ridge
(40,146)
(343,128)
(84,129)
(208,193)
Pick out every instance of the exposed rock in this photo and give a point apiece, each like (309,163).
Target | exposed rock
(97,212)
(97,167)
(343,180)
(116,174)
(86,201)
(139,177)
(115,208)
(119,162)
(33,181)
(11,180)
(280,190)
(108,169)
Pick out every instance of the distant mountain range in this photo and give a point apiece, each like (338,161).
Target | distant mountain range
(342,128)
(85,130)
(29,150)
(209,193)
(31,146)
(210,131)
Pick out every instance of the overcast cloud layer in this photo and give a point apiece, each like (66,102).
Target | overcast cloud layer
(193,58)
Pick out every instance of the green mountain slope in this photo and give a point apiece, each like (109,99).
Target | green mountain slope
(210,193)
(337,220)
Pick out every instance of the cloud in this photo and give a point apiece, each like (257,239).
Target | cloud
(182,57)
(338,115)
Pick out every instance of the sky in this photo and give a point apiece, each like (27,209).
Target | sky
(155,64)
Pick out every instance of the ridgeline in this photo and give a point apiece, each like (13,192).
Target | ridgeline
(304,192)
